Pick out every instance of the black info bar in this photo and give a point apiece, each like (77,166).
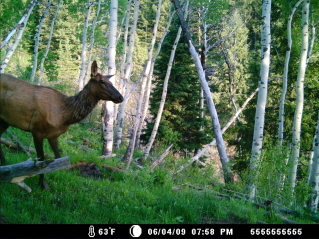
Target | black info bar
(158,231)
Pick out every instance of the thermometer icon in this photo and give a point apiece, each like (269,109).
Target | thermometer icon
(91,231)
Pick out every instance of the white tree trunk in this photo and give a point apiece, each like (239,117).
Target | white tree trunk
(164,93)
(228,177)
(90,48)
(285,78)
(130,149)
(296,129)
(120,86)
(262,97)
(49,43)
(21,26)
(108,118)
(122,69)
(314,174)
(18,26)
(36,42)
(84,43)
(147,71)
(150,76)
(203,150)
(127,76)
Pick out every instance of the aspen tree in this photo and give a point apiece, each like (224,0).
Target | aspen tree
(145,76)
(296,128)
(262,97)
(36,42)
(108,117)
(49,43)
(127,76)
(285,77)
(130,149)
(21,27)
(150,76)
(84,43)
(92,40)
(314,173)
(165,85)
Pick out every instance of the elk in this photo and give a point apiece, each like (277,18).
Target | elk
(46,112)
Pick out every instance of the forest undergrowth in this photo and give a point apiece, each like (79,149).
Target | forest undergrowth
(159,196)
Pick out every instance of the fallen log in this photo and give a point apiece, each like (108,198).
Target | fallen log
(17,173)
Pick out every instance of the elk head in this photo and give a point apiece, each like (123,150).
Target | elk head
(103,87)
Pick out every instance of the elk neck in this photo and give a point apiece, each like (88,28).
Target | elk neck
(79,106)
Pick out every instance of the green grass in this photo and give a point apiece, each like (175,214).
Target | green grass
(137,196)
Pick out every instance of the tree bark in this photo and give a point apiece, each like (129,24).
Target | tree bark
(228,177)
(262,97)
(285,77)
(108,118)
(22,25)
(296,129)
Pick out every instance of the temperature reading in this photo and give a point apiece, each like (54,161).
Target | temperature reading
(107,231)
(91,231)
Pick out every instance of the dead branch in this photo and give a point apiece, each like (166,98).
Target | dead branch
(15,146)
(17,173)
(18,143)
(160,159)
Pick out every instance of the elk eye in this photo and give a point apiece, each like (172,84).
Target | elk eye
(101,81)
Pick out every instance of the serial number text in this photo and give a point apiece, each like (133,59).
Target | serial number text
(276,231)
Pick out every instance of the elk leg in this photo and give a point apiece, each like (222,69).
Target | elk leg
(3,127)
(38,143)
(55,147)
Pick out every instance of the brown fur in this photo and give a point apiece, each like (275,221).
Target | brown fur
(46,112)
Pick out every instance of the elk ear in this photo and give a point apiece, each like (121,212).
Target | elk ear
(94,68)
(109,76)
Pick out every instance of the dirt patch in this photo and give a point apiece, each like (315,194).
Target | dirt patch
(87,170)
